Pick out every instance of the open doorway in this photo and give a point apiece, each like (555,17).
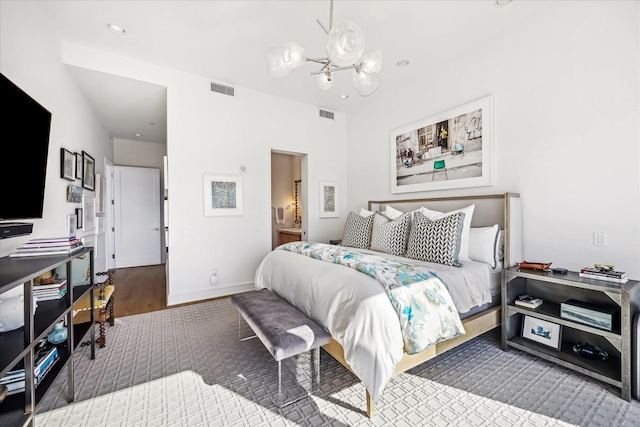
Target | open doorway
(288,197)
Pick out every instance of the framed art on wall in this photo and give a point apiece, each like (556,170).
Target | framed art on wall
(78,165)
(328,199)
(67,165)
(88,171)
(71,225)
(542,331)
(222,194)
(453,149)
(88,213)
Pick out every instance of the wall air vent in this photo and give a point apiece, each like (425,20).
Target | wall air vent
(326,114)
(226,90)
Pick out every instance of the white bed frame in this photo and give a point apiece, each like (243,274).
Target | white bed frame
(502,209)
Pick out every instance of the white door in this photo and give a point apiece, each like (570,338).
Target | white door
(137,216)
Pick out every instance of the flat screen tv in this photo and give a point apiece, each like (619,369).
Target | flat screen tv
(24,129)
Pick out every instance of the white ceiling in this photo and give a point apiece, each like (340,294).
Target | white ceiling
(226,41)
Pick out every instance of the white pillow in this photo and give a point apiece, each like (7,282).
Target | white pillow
(392,213)
(389,212)
(483,244)
(468,213)
(365,213)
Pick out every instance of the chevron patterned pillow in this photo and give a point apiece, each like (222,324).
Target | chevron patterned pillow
(357,231)
(390,236)
(436,241)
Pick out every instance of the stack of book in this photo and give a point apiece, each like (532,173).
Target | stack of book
(608,275)
(53,291)
(528,301)
(49,246)
(14,380)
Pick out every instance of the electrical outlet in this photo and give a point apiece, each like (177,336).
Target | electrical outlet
(599,238)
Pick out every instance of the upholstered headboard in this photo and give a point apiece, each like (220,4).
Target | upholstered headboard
(502,209)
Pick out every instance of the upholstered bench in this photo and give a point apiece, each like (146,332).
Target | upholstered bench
(283,329)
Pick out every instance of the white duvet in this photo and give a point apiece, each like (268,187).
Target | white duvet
(355,309)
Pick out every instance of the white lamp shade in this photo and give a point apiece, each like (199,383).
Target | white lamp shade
(293,55)
(372,62)
(345,45)
(324,81)
(365,83)
(275,64)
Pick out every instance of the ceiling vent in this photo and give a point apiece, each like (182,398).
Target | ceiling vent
(326,114)
(225,90)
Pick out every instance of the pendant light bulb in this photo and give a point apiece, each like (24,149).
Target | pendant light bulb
(275,64)
(345,45)
(365,83)
(372,62)
(324,81)
(293,55)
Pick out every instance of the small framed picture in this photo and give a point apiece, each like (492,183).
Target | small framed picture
(542,332)
(79,218)
(71,225)
(222,194)
(88,171)
(78,165)
(328,199)
(67,165)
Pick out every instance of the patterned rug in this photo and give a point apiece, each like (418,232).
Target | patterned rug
(187,367)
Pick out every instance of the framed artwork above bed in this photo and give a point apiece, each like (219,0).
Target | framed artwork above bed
(452,149)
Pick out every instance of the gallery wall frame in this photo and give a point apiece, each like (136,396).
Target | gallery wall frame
(78,157)
(452,149)
(88,212)
(88,171)
(100,193)
(222,194)
(72,220)
(328,199)
(67,164)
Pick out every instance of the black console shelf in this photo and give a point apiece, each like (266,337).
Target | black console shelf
(18,345)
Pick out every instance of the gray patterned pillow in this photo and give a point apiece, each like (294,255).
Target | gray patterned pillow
(390,236)
(436,241)
(357,231)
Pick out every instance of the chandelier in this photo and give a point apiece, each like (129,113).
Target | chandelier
(345,51)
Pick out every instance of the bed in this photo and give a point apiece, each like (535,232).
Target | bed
(355,308)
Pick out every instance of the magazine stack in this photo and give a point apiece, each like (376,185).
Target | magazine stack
(606,274)
(48,246)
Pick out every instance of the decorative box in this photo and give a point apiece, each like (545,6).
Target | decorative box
(596,315)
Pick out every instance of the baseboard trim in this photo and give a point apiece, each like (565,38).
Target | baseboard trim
(188,297)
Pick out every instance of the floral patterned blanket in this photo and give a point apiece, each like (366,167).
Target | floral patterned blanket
(425,309)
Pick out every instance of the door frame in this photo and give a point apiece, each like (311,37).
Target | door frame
(305,189)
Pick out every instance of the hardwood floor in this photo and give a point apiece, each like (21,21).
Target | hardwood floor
(140,290)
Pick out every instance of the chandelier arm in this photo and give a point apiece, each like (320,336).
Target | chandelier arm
(323,27)
(330,16)
(351,67)
(318,60)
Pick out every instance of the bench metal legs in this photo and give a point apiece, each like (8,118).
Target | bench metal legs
(315,379)
(315,371)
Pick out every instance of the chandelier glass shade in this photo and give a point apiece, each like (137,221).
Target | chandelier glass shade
(345,51)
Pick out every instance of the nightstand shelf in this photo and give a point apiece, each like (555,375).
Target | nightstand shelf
(554,289)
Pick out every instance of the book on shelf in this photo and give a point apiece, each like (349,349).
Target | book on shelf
(62,244)
(603,272)
(47,249)
(604,278)
(15,381)
(51,251)
(54,239)
(57,284)
(528,301)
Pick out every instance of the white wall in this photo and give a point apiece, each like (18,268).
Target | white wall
(213,133)
(30,57)
(566,125)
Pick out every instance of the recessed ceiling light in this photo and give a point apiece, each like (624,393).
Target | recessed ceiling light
(137,134)
(116,29)
(502,2)
(402,63)
(344,96)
